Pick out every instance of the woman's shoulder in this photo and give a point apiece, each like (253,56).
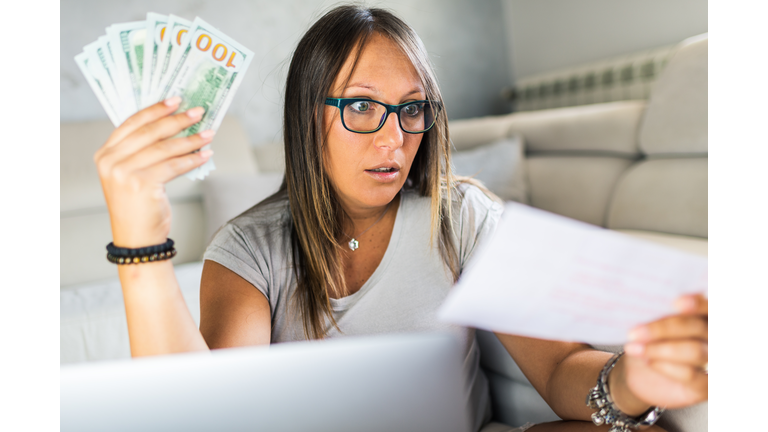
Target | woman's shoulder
(468,197)
(269,219)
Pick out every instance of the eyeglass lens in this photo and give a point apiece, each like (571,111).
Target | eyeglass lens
(366,116)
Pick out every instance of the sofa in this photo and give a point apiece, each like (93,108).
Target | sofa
(638,167)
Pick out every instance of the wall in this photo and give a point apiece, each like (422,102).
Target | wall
(543,35)
(466,42)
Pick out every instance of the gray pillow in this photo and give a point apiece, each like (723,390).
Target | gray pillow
(226,196)
(500,165)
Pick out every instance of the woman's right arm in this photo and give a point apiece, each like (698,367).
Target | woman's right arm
(134,164)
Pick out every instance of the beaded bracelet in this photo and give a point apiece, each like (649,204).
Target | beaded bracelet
(121,255)
(600,398)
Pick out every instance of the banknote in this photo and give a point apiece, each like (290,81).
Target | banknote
(97,61)
(211,68)
(169,52)
(137,64)
(98,81)
(156,24)
(127,46)
(119,76)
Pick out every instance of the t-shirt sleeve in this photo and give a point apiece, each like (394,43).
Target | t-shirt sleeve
(231,248)
(479,216)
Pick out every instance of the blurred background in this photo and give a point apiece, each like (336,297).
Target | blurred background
(491,56)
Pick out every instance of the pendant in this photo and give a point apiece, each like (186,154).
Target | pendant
(353,244)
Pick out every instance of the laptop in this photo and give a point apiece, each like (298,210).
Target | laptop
(383,383)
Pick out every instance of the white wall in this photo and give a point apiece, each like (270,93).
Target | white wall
(544,35)
(465,39)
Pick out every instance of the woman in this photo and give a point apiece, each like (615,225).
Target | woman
(366,235)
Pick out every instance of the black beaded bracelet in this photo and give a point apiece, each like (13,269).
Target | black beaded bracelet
(121,255)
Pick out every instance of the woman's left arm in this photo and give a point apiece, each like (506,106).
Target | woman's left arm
(664,365)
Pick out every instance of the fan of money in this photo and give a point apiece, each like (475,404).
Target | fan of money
(137,64)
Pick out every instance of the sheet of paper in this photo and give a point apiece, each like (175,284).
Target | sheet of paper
(546,276)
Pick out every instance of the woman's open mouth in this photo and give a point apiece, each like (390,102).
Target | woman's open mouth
(383,174)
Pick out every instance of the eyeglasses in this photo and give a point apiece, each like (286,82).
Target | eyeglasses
(361,115)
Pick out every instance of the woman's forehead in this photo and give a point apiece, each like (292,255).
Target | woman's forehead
(382,69)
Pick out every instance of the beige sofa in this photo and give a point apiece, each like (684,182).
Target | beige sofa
(639,167)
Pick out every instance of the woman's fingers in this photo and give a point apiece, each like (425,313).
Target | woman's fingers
(673,327)
(145,116)
(151,133)
(168,170)
(695,304)
(691,352)
(167,149)
(682,373)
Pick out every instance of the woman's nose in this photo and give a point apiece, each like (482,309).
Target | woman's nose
(390,135)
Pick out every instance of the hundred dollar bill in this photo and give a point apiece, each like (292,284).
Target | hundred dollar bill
(211,68)
(99,82)
(127,45)
(102,68)
(155,32)
(169,52)
(118,76)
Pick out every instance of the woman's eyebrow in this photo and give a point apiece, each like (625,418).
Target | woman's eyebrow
(375,90)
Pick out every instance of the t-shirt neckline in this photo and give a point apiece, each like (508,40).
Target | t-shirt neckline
(344,303)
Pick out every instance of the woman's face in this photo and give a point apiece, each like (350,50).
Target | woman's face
(385,74)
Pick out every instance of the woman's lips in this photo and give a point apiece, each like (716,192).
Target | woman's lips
(384,177)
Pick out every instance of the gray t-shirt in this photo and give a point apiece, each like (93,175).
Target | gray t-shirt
(403,294)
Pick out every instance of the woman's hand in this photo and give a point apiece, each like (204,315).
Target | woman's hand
(135,163)
(666,360)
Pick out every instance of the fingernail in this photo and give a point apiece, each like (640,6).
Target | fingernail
(195,112)
(638,334)
(634,349)
(205,154)
(207,134)
(172,101)
(685,304)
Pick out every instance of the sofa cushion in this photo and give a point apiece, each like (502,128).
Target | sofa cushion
(576,187)
(93,324)
(664,195)
(675,121)
(499,165)
(607,128)
(270,157)
(469,133)
(84,237)
(226,196)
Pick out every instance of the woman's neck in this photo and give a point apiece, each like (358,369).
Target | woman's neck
(361,219)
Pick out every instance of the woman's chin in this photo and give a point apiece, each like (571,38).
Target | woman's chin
(377,196)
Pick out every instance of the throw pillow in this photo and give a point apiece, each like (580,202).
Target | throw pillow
(500,165)
(226,196)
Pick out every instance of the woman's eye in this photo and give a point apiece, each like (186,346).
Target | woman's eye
(411,110)
(361,106)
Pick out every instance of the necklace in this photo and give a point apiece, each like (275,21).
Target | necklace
(354,244)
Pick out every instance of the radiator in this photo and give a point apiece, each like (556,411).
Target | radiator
(624,77)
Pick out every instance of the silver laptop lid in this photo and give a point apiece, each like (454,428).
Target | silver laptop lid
(383,383)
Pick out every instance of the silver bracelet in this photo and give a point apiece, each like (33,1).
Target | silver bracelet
(600,398)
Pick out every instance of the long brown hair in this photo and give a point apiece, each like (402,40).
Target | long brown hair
(316,213)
